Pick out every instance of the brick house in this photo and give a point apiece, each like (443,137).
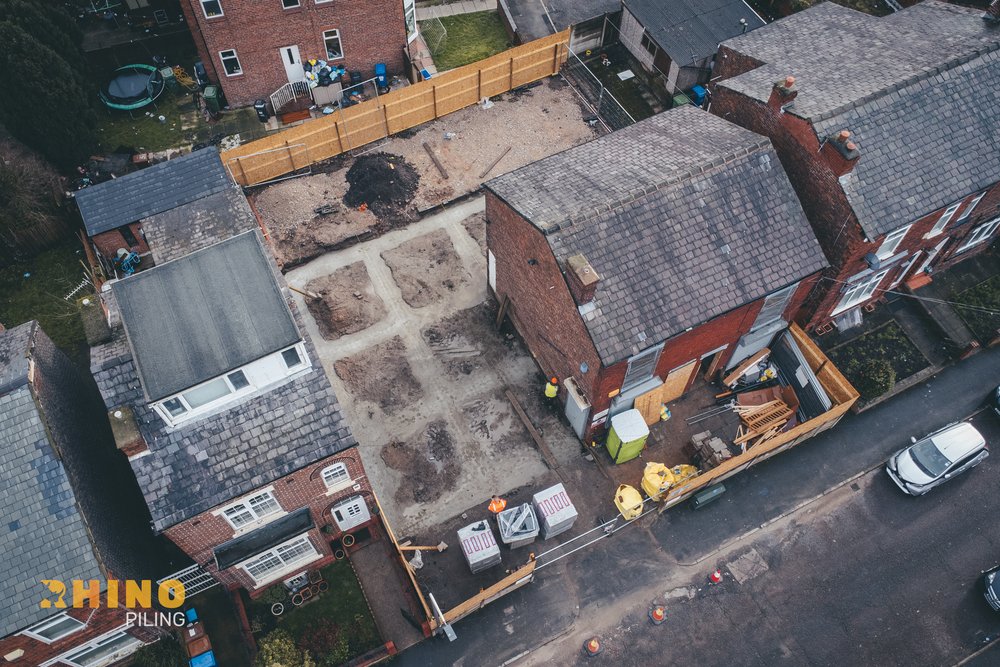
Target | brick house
(71,511)
(254,47)
(677,39)
(667,250)
(887,128)
(164,211)
(227,418)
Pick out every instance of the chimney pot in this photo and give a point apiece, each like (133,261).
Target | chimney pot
(840,153)
(844,135)
(789,81)
(782,93)
(851,146)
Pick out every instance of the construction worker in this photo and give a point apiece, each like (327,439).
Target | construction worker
(497,505)
(552,388)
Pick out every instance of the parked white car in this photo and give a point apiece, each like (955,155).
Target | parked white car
(936,458)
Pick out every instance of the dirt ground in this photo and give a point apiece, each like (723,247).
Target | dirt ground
(348,302)
(381,375)
(426,268)
(534,123)
(476,226)
(427,464)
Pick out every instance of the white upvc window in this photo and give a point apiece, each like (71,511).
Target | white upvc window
(294,357)
(891,242)
(860,291)
(230,62)
(943,221)
(54,628)
(251,510)
(290,4)
(980,234)
(334,49)
(336,476)
(972,206)
(277,561)
(104,650)
(211,8)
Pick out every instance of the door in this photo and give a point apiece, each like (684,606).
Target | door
(677,381)
(350,513)
(293,63)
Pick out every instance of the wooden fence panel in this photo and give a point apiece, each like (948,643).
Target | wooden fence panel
(298,147)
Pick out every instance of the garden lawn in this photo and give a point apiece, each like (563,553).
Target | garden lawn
(888,342)
(470,37)
(38,295)
(343,604)
(984,295)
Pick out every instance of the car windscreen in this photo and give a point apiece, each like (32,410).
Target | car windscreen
(929,458)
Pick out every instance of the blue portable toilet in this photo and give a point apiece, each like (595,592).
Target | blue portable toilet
(380,77)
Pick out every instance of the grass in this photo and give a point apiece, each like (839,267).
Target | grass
(34,289)
(889,343)
(628,93)
(985,295)
(343,604)
(470,37)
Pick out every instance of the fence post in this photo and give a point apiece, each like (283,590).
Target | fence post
(479,83)
(243,172)
(511,87)
(555,57)
(434,97)
(291,158)
(600,96)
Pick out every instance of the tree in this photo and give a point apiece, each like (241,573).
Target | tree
(46,102)
(277,649)
(164,653)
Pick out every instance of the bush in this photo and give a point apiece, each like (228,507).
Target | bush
(328,642)
(165,653)
(278,650)
(873,377)
(275,594)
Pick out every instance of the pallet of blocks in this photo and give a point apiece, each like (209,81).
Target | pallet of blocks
(710,449)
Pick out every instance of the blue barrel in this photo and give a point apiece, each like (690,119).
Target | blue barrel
(382,79)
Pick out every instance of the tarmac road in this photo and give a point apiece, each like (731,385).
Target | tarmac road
(902,572)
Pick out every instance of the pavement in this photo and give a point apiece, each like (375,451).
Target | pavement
(540,18)
(904,567)
(453,8)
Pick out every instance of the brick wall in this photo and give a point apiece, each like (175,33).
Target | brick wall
(109,242)
(99,622)
(199,535)
(826,206)
(371,31)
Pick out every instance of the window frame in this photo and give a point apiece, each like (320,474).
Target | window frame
(974,238)
(339,482)
(31,631)
(189,410)
(298,3)
(972,206)
(213,16)
(340,43)
(236,57)
(653,351)
(645,42)
(886,251)
(69,656)
(274,553)
(866,286)
(943,221)
(300,351)
(245,507)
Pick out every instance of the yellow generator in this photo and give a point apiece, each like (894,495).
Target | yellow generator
(657,478)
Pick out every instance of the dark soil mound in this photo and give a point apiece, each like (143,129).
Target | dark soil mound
(384,182)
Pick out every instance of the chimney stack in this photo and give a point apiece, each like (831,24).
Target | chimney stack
(782,93)
(125,429)
(582,279)
(840,153)
(993,12)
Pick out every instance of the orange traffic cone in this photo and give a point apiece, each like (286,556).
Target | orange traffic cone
(715,577)
(657,614)
(592,646)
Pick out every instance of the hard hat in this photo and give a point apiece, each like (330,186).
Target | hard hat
(554,380)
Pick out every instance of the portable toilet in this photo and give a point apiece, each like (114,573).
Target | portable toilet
(627,436)
(556,513)
(479,546)
(518,526)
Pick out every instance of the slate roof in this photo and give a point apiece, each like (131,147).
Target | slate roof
(684,216)
(205,462)
(152,190)
(193,319)
(42,535)
(199,224)
(918,88)
(691,30)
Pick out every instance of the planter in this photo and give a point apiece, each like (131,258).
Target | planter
(347,540)
(315,577)
(277,609)
(323,586)
(340,554)
(297,599)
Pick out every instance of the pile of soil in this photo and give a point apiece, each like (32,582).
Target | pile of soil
(381,375)
(428,464)
(347,304)
(382,181)
(426,268)
(476,226)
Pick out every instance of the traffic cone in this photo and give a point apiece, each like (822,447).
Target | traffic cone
(657,614)
(715,577)
(592,646)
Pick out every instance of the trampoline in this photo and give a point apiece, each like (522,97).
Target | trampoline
(132,87)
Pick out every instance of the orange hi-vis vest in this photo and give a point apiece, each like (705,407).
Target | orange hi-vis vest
(497,505)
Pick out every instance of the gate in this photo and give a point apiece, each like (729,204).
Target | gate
(195,579)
